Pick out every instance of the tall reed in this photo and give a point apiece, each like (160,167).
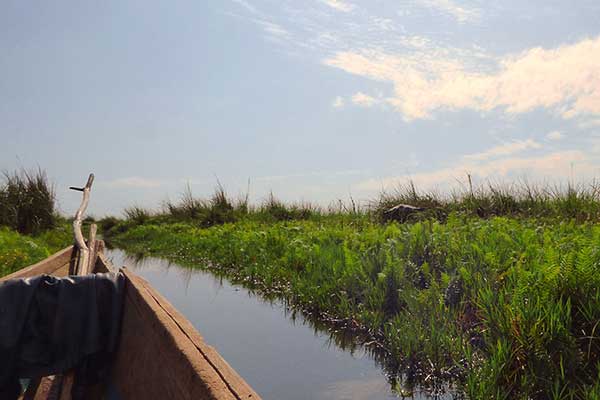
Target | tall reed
(27,202)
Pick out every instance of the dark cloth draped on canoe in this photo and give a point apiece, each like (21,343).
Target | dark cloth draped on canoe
(49,325)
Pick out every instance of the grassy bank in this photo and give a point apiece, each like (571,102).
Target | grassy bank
(506,308)
(18,250)
(27,202)
(30,227)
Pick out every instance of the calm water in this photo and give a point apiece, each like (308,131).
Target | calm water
(279,356)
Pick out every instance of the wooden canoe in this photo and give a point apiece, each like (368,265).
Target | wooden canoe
(160,356)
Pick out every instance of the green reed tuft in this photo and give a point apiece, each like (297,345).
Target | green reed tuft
(27,202)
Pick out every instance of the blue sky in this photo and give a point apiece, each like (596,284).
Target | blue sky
(314,100)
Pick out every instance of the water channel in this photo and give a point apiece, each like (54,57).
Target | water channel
(281,355)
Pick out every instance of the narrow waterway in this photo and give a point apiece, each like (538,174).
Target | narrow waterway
(280,356)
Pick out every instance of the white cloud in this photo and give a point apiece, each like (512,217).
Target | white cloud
(249,7)
(505,149)
(338,102)
(461,14)
(133,182)
(273,29)
(565,79)
(339,5)
(555,135)
(363,100)
(589,123)
(554,166)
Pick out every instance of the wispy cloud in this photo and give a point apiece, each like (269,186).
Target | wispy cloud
(427,76)
(553,166)
(249,7)
(364,100)
(589,123)
(460,13)
(505,149)
(338,102)
(339,5)
(564,79)
(272,30)
(499,162)
(555,135)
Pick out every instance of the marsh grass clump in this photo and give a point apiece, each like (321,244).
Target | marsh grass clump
(137,215)
(221,209)
(27,202)
(188,206)
(216,210)
(572,201)
(273,209)
(107,223)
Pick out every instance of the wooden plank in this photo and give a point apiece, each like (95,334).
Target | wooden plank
(32,388)
(46,388)
(66,387)
(233,380)
(162,357)
(160,354)
(62,271)
(60,264)
(47,266)
(155,360)
(91,262)
(102,263)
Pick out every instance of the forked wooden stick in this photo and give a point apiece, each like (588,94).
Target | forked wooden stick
(84,251)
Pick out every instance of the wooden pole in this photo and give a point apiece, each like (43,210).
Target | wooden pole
(83,268)
(82,265)
(92,247)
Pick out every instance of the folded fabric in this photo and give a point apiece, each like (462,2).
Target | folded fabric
(49,325)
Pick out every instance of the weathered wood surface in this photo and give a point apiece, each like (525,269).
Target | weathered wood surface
(162,356)
(91,244)
(57,264)
(78,221)
(102,263)
(46,388)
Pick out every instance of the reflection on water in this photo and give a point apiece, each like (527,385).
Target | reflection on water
(279,352)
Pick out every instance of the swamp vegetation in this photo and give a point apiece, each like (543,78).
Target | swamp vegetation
(495,292)
(30,227)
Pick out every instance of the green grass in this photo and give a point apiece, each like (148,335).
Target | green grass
(220,209)
(579,202)
(30,228)
(502,307)
(18,251)
(522,199)
(27,202)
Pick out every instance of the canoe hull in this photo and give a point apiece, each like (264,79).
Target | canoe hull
(58,264)
(160,354)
